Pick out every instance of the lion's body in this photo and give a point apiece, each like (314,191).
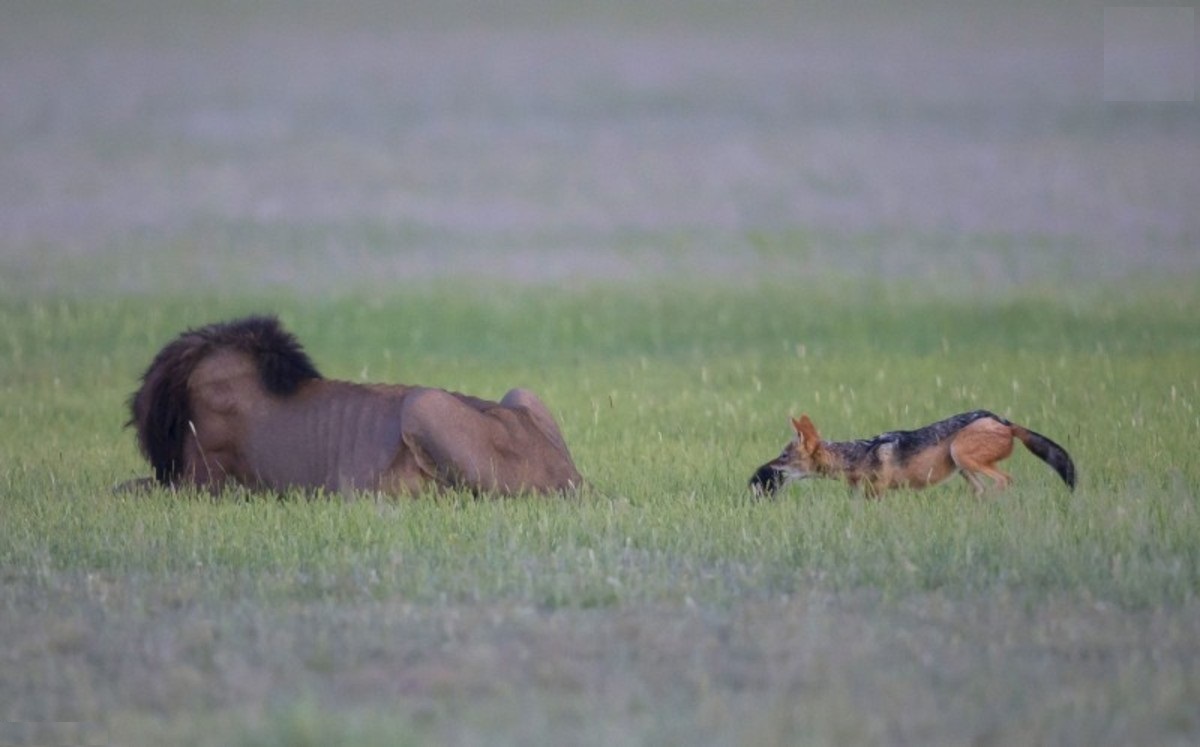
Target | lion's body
(241,402)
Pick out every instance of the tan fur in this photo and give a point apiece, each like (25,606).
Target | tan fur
(932,455)
(244,434)
(337,436)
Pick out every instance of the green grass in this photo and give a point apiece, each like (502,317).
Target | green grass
(663,605)
(679,223)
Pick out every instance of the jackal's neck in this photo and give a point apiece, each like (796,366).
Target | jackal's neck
(842,459)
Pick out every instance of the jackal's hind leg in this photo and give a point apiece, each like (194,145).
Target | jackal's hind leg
(973,479)
(972,472)
(978,447)
(1002,479)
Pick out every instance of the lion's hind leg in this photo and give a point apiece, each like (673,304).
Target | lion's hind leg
(450,441)
(494,449)
(531,403)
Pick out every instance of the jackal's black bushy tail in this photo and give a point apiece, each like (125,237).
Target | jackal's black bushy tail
(161,410)
(1049,452)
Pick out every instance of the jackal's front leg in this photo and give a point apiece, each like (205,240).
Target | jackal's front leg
(874,489)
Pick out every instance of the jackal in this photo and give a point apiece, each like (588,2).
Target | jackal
(971,443)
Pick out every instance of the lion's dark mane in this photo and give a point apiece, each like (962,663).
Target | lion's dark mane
(160,409)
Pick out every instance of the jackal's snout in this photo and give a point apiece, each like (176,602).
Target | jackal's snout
(766,480)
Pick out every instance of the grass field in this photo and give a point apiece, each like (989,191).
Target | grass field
(679,224)
(663,605)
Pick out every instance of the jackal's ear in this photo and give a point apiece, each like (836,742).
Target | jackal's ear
(806,432)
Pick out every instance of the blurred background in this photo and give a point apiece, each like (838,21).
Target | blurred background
(358,146)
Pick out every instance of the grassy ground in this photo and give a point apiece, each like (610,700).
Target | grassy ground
(679,223)
(664,605)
